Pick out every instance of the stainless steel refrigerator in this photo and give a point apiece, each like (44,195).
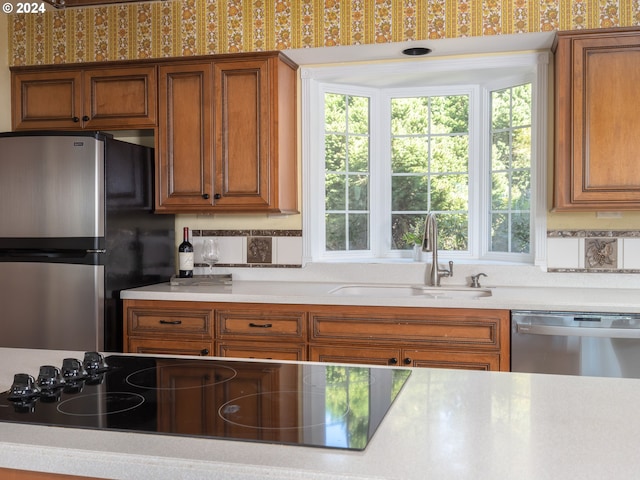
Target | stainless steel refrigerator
(76,227)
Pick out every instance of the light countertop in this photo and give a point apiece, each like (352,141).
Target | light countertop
(445,424)
(323,293)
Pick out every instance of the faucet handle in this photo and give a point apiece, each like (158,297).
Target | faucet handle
(446,272)
(475,280)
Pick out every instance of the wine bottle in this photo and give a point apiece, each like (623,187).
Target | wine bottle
(185,256)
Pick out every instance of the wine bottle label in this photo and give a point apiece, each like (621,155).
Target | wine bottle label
(186,260)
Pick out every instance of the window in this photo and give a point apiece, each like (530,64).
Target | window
(379,154)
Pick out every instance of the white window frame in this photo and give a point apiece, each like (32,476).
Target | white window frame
(316,81)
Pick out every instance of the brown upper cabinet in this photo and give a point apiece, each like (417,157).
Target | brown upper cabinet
(227,135)
(115,97)
(597,120)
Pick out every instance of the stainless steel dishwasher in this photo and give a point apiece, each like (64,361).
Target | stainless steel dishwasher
(575,343)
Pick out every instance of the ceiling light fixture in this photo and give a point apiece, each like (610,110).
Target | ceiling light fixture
(416,51)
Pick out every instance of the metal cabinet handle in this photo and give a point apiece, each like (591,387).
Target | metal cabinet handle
(205,196)
(75,119)
(408,361)
(85,118)
(217,196)
(393,361)
(260,325)
(204,352)
(170,322)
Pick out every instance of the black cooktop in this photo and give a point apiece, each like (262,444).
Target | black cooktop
(335,406)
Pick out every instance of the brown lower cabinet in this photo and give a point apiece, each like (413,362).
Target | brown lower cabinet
(12,474)
(475,339)
(407,357)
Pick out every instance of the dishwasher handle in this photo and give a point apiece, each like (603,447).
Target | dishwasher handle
(532,329)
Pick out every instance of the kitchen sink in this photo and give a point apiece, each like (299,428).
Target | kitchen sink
(423,291)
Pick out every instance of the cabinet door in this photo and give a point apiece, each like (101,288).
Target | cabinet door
(120,97)
(242,129)
(47,100)
(597,142)
(344,354)
(184,178)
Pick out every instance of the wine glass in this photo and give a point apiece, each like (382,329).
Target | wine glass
(210,252)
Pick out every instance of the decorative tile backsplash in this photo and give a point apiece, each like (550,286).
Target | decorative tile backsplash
(582,251)
(252,248)
(593,251)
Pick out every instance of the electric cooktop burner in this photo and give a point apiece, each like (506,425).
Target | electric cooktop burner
(335,406)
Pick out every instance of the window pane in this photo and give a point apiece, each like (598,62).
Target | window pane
(450,154)
(521,190)
(335,192)
(409,116)
(406,230)
(453,231)
(358,231)
(450,114)
(358,154)
(520,233)
(358,119)
(500,109)
(335,112)
(336,236)
(521,98)
(409,193)
(511,170)
(510,232)
(499,232)
(430,163)
(346,172)
(335,157)
(449,192)
(521,156)
(409,154)
(358,192)
(500,191)
(501,150)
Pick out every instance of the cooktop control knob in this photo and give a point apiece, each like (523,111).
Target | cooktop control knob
(50,378)
(94,363)
(23,387)
(72,370)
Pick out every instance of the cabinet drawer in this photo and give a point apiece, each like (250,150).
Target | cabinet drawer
(450,327)
(458,360)
(266,351)
(259,324)
(175,322)
(361,355)
(169,347)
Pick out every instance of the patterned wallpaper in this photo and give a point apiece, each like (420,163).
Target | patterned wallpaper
(200,27)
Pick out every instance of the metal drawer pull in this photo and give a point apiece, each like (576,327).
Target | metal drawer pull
(257,325)
(170,322)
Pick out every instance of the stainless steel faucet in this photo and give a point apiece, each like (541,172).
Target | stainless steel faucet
(430,244)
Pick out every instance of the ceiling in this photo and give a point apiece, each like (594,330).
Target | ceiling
(444,47)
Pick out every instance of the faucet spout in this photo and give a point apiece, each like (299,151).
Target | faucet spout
(430,244)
